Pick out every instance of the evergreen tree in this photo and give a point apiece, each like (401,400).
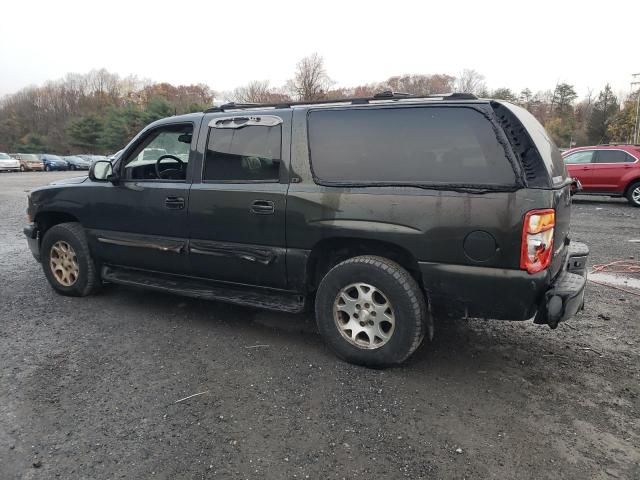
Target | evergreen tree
(85,133)
(605,108)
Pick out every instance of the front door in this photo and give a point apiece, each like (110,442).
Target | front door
(141,221)
(580,166)
(237,210)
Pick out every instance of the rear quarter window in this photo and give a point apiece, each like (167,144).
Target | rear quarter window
(424,145)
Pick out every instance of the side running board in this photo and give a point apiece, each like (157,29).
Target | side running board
(204,289)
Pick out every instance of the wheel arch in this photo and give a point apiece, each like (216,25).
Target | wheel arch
(328,252)
(47,219)
(629,184)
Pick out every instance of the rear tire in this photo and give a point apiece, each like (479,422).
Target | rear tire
(67,262)
(371,311)
(633,194)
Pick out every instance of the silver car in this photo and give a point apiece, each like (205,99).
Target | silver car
(8,164)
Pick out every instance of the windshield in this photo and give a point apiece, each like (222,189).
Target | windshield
(30,158)
(4,156)
(54,157)
(74,159)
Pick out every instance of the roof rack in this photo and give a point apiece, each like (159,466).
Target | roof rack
(385,95)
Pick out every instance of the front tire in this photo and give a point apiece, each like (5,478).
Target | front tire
(47,168)
(67,262)
(633,194)
(371,311)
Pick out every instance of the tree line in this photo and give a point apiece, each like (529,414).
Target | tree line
(99,112)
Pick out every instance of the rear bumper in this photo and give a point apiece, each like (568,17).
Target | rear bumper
(504,294)
(565,298)
(31,232)
(10,169)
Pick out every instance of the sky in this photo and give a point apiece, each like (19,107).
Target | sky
(225,44)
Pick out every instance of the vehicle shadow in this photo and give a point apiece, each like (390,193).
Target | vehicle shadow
(457,344)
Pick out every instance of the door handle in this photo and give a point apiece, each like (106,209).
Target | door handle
(263,207)
(174,203)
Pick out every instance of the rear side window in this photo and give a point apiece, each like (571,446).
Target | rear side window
(430,145)
(579,157)
(247,154)
(613,156)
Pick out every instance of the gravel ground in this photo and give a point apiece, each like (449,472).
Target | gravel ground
(88,386)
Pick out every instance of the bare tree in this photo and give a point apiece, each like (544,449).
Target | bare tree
(311,81)
(257,91)
(470,81)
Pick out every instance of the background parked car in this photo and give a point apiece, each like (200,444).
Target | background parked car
(77,163)
(53,162)
(28,162)
(8,164)
(607,170)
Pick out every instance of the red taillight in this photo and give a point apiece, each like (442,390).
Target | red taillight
(537,240)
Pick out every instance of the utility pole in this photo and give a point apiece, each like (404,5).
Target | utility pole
(636,125)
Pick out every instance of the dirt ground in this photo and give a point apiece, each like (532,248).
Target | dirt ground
(89,386)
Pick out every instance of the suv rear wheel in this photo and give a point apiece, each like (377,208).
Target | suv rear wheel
(371,311)
(633,194)
(66,260)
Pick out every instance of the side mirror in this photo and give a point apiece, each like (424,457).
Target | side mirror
(101,171)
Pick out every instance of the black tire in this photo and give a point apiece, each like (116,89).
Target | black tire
(22,169)
(72,167)
(635,187)
(88,280)
(403,294)
(47,168)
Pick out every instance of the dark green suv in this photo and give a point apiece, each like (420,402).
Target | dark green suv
(380,213)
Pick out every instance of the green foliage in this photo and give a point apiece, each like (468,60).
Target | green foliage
(157,108)
(563,97)
(621,126)
(605,108)
(120,125)
(85,133)
(31,143)
(504,94)
(561,131)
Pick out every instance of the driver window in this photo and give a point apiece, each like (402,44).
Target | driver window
(162,155)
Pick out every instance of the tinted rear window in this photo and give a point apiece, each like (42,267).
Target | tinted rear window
(428,145)
(613,156)
(250,153)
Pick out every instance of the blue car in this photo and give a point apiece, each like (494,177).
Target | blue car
(53,162)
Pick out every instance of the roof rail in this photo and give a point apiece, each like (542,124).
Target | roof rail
(385,95)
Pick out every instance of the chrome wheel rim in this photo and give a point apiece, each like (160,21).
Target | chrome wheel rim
(364,316)
(635,195)
(64,263)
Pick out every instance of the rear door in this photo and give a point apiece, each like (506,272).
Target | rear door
(237,207)
(609,167)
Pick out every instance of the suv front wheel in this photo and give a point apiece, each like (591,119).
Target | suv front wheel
(633,194)
(66,260)
(371,311)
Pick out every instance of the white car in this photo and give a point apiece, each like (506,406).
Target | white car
(8,164)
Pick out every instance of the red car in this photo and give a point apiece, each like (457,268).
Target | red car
(607,170)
